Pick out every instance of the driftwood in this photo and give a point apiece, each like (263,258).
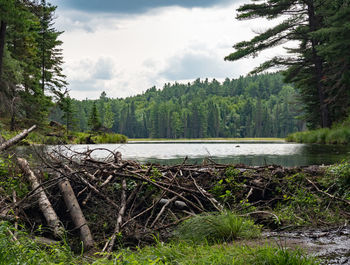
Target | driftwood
(16,139)
(76,213)
(44,203)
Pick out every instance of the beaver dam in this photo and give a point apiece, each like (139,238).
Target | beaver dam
(113,203)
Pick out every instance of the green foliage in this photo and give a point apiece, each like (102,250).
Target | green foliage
(26,251)
(10,180)
(189,254)
(277,256)
(318,66)
(94,120)
(32,61)
(109,138)
(226,188)
(252,106)
(216,227)
(338,179)
(335,135)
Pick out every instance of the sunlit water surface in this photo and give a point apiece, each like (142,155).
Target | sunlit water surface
(249,153)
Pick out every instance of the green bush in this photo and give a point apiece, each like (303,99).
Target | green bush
(216,227)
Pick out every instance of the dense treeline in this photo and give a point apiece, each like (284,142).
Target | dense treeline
(30,62)
(253,106)
(319,65)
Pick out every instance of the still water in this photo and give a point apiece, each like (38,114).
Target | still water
(248,152)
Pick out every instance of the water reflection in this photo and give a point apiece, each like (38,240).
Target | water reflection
(250,153)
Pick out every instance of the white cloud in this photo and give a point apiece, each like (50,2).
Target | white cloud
(125,55)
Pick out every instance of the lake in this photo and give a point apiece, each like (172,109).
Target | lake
(223,151)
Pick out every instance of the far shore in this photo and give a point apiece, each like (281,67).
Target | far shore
(214,140)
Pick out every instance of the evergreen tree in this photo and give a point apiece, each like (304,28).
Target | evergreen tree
(306,67)
(94,120)
(108,116)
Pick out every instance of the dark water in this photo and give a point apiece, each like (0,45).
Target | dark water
(248,152)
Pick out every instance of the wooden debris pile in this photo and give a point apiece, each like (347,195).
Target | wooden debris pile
(103,203)
(112,200)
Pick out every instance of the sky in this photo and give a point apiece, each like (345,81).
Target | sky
(124,47)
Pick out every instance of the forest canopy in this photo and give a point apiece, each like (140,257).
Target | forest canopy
(253,106)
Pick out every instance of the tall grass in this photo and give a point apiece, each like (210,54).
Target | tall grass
(24,250)
(215,228)
(105,138)
(335,135)
(225,254)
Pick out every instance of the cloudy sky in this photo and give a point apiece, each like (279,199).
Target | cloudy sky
(124,47)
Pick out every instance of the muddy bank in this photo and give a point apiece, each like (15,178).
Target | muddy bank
(331,245)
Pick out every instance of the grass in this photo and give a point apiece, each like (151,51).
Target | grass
(338,134)
(216,228)
(103,138)
(224,254)
(24,250)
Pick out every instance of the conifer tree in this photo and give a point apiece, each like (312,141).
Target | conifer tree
(305,67)
(94,120)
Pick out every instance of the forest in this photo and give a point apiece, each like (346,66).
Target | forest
(31,78)
(311,91)
(254,106)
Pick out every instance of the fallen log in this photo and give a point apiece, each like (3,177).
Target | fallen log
(76,213)
(44,203)
(16,139)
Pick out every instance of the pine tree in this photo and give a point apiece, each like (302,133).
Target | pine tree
(94,120)
(305,66)
(108,116)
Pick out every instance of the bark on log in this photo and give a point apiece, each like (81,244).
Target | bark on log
(76,213)
(44,203)
(16,139)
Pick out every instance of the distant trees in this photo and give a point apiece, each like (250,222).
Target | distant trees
(253,106)
(319,27)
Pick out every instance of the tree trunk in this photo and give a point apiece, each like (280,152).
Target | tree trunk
(44,203)
(16,139)
(76,213)
(2,43)
(317,61)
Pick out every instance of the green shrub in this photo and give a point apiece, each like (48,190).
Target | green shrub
(216,227)
(110,138)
